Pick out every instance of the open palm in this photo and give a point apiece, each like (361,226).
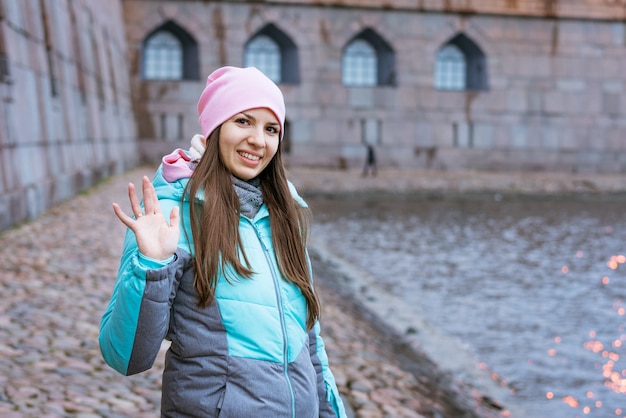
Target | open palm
(156,238)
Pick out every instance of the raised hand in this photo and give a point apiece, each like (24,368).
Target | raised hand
(155,237)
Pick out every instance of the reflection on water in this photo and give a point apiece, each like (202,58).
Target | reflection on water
(535,289)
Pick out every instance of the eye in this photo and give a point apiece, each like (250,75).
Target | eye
(242,121)
(272,129)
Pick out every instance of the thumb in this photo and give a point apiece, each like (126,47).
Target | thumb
(175,217)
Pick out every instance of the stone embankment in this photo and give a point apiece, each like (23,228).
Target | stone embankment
(456,183)
(58,272)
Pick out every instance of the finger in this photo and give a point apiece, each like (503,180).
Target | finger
(156,207)
(150,201)
(134,200)
(126,220)
(174,218)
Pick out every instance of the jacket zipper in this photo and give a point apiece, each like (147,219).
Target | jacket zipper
(279,301)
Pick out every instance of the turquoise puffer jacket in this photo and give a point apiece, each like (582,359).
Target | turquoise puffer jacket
(247,354)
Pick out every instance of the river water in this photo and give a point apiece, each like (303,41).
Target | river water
(534,289)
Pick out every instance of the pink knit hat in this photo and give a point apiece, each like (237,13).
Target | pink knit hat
(230,90)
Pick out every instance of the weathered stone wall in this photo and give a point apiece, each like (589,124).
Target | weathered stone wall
(556,85)
(585,9)
(65,111)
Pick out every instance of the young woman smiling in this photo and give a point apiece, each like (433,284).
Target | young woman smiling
(215,261)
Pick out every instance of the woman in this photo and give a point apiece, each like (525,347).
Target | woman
(233,289)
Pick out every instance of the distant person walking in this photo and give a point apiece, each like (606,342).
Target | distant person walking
(370,161)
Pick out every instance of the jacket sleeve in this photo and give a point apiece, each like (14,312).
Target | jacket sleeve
(331,404)
(137,317)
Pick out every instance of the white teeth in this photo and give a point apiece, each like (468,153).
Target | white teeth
(250,156)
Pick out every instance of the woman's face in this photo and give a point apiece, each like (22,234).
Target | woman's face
(248,141)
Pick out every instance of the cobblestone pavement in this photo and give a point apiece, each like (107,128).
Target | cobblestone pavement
(56,277)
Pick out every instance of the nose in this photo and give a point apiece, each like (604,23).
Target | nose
(257,138)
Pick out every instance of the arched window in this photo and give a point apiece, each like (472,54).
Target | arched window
(450,69)
(170,53)
(263,53)
(274,53)
(368,60)
(359,66)
(163,58)
(461,65)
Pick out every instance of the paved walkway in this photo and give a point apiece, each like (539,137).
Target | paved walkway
(416,181)
(57,274)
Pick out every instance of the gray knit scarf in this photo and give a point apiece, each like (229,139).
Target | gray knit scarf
(250,195)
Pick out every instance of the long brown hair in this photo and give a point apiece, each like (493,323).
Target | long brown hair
(215,226)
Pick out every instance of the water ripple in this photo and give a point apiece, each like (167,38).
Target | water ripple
(530,287)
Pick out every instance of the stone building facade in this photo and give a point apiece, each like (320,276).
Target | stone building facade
(536,85)
(543,89)
(66,117)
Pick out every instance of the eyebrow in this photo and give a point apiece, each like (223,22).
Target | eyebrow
(249,116)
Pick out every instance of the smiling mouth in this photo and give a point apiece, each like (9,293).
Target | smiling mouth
(250,156)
